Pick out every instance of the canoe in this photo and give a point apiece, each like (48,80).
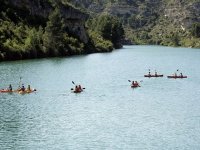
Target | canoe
(150,76)
(177,77)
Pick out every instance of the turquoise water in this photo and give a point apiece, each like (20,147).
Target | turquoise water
(162,114)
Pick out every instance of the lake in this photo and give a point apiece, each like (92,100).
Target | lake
(162,114)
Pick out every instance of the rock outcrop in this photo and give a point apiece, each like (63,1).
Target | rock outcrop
(74,18)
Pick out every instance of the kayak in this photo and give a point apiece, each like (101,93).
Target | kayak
(149,76)
(134,86)
(79,91)
(5,91)
(27,91)
(177,77)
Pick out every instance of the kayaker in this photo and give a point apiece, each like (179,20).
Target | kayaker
(79,87)
(9,88)
(76,88)
(136,83)
(149,73)
(29,88)
(133,83)
(156,73)
(22,88)
(181,74)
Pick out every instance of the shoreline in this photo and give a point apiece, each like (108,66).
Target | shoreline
(67,56)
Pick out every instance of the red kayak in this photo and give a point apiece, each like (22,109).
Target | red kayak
(135,86)
(177,77)
(78,91)
(149,76)
(5,91)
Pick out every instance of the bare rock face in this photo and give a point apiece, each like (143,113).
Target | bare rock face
(182,14)
(74,18)
(193,14)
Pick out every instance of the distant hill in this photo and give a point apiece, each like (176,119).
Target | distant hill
(163,22)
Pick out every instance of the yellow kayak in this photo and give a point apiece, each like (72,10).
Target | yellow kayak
(27,91)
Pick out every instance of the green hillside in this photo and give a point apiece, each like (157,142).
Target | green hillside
(46,28)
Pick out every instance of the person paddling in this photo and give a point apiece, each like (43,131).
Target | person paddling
(79,87)
(136,83)
(29,88)
(22,88)
(156,73)
(10,88)
(76,89)
(181,74)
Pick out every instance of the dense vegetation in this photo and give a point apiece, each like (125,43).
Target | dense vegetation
(109,27)
(24,36)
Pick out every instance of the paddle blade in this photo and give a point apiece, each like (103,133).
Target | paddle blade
(72,89)
(129,80)
(73,82)
(84,88)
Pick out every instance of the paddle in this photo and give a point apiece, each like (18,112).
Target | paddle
(130,81)
(82,88)
(20,79)
(74,84)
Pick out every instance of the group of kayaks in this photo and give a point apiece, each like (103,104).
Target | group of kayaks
(79,89)
(20,90)
(17,91)
(174,76)
(161,75)
(149,75)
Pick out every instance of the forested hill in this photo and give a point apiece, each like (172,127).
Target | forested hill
(48,28)
(163,22)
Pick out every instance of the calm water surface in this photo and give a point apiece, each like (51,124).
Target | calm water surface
(162,114)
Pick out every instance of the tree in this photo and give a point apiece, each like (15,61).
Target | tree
(117,33)
(196,30)
(53,35)
(110,28)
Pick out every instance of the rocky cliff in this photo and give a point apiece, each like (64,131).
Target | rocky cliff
(144,20)
(74,18)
